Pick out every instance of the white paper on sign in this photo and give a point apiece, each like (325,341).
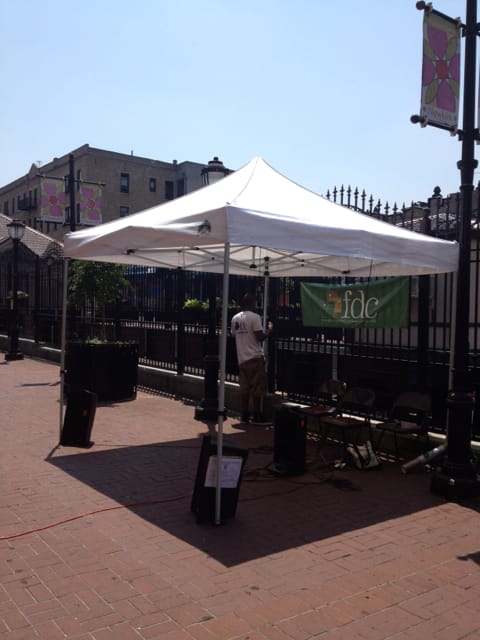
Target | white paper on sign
(231,468)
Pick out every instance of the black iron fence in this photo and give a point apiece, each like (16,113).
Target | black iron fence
(175,315)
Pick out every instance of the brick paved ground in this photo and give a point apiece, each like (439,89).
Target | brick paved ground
(112,551)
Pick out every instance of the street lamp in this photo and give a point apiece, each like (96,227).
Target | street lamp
(16,229)
(207,410)
(214,171)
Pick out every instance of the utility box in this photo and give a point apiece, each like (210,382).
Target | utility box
(204,493)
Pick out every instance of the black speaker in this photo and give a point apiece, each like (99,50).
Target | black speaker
(78,421)
(290,441)
(204,493)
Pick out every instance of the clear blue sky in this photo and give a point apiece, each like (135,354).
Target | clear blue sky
(322,90)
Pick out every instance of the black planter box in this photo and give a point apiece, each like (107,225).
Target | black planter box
(107,369)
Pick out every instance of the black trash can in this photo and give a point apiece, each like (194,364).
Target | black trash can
(78,421)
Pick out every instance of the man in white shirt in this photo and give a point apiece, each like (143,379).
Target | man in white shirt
(249,335)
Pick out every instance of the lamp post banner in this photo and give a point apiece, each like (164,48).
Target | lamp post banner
(53,200)
(440,70)
(90,204)
(374,304)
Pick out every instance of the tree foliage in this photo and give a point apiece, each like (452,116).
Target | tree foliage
(98,283)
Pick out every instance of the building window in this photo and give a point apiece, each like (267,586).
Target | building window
(13,206)
(124,211)
(169,190)
(152,185)
(180,188)
(124,182)
(5,207)
(66,180)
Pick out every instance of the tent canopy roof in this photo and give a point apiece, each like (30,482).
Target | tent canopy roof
(268,221)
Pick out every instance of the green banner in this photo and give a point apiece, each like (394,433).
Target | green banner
(373,304)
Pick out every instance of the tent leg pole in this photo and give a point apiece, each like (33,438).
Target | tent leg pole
(63,342)
(221,389)
(265,317)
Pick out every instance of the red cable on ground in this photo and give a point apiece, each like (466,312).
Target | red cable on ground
(299,485)
(91,513)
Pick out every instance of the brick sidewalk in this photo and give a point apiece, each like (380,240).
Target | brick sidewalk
(112,551)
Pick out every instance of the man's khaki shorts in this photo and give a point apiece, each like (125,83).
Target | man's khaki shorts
(253,377)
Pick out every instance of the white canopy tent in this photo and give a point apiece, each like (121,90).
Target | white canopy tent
(301,232)
(256,216)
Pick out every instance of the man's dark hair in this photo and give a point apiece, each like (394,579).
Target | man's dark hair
(249,301)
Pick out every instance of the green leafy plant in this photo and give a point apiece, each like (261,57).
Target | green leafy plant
(95,284)
(193,304)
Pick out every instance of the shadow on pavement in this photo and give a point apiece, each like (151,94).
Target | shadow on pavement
(156,481)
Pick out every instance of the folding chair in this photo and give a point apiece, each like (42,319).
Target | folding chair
(409,415)
(351,416)
(328,397)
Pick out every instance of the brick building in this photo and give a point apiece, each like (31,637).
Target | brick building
(119,183)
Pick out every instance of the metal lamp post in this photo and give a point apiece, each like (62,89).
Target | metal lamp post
(16,229)
(456,477)
(207,409)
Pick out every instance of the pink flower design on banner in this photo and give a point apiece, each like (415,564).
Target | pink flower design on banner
(441,69)
(90,204)
(52,200)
